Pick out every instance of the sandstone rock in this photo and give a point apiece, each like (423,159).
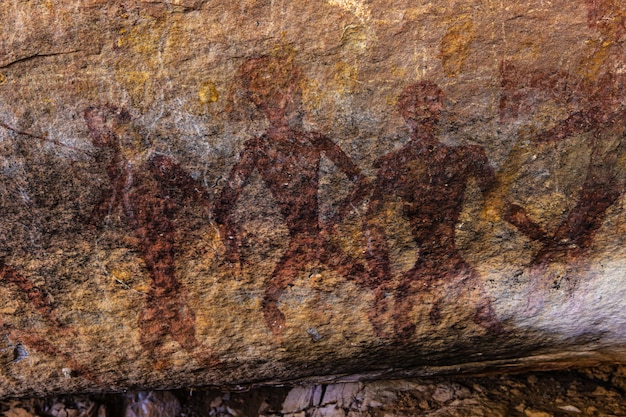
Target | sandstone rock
(298,399)
(152,404)
(211,193)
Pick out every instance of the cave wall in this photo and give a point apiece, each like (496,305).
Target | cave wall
(203,192)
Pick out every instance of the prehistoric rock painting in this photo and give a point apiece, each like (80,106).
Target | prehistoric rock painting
(150,190)
(39,300)
(430,178)
(288,161)
(595,102)
(43,306)
(29,339)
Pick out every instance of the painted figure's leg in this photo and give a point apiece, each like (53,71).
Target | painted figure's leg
(589,213)
(471,290)
(157,251)
(403,297)
(486,317)
(292,262)
(518,217)
(159,313)
(414,282)
(184,332)
(41,301)
(352,269)
(154,322)
(43,306)
(346,266)
(603,186)
(378,313)
(183,328)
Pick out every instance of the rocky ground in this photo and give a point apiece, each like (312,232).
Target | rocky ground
(583,392)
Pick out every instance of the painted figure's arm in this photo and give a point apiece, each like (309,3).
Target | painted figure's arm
(376,246)
(578,122)
(354,174)
(512,213)
(237,180)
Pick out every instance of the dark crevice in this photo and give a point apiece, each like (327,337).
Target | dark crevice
(38,55)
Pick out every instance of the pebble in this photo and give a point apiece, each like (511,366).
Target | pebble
(570,408)
(535,413)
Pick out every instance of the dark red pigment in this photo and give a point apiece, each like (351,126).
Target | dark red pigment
(596,111)
(151,190)
(288,161)
(430,179)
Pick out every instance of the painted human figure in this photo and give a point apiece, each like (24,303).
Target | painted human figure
(430,179)
(600,118)
(599,191)
(43,306)
(288,160)
(151,189)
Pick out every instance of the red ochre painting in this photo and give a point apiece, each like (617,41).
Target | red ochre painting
(422,172)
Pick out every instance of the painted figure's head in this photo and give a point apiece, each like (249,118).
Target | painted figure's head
(112,127)
(272,84)
(421,103)
(104,123)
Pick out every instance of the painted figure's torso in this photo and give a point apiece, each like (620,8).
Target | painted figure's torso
(431,182)
(290,168)
(147,204)
(150,210)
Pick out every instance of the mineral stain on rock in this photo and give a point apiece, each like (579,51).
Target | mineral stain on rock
(455,47)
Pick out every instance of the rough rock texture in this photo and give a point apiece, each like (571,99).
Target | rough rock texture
(223,193)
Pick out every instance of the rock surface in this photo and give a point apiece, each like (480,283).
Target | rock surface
(213,193)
